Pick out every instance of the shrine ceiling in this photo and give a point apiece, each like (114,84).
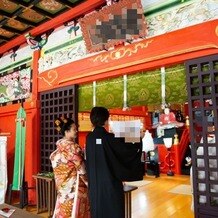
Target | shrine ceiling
(20,16)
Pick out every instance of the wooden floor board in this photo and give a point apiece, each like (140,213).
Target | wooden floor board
(154,200)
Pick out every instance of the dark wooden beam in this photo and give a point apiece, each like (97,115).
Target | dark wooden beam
(10,29)
(81,9)
(47,14)
(25,4)
(70,4)
(15,13)
(3,21)
(5,38)
(27,22)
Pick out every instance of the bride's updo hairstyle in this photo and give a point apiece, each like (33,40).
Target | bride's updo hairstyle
(63,124)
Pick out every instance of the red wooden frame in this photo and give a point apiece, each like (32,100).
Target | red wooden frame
(171,48)
(167,49)
(83,8)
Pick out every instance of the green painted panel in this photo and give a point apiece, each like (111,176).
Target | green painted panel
(85,93)
(109,93)
(144,88)
(176,89)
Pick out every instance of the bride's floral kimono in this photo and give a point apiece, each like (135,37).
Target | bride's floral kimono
(71,181)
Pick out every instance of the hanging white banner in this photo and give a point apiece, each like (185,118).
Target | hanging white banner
(3,168)
(94,94)
(124,92)
(163,87)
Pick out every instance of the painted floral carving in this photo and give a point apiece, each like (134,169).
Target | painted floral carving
(50,5)
(18,24)
(15,86)
(31,15)
(192,13)
(6,33)
(5,4)
(165,21)
(61,57)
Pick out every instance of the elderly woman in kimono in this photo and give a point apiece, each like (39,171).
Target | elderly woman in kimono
(69,173)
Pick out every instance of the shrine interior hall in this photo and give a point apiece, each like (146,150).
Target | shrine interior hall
(154,63)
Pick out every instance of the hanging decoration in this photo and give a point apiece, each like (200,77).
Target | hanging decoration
(101,31)
(167,119)
(125,106)
(144,88)
(94,93)
(3,168)
(163,88)
(110,93)
(20,141)
(85,96)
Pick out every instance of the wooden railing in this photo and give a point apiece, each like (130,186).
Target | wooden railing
(45,194)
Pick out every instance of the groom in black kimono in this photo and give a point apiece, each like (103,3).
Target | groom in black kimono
(109,162)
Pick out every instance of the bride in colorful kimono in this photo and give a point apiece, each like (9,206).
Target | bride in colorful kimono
(69,173)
